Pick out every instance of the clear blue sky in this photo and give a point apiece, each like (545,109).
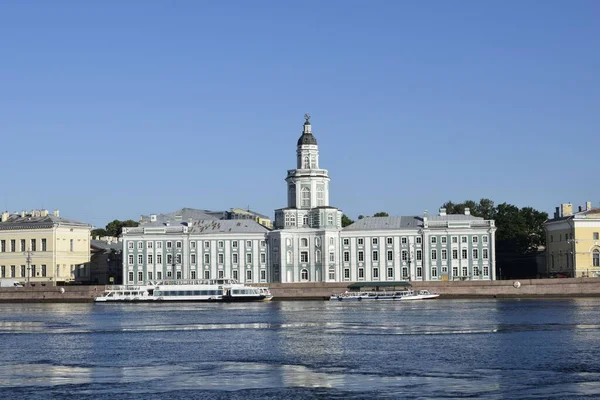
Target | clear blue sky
(112,109)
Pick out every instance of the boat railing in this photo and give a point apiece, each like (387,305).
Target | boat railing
(195,282)
(124,287)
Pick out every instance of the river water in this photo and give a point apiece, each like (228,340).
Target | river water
(495,349)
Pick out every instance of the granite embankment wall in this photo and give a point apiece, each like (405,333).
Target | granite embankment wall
(569,287)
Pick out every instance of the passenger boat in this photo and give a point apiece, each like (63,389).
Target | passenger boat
(402,295)
(210,290)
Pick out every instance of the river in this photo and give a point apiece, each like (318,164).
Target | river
(494,349)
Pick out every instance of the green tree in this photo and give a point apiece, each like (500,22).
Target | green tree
(115,228)
(346,221)
(98,232)
(381,214)
(361,216)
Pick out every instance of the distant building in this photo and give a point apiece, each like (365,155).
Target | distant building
(106,266)
(40,247)
(308,243)
(239,213)
(573,242)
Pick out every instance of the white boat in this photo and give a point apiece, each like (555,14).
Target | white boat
(215,290)
(397,295)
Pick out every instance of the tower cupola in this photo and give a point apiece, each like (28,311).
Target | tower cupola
(307,137)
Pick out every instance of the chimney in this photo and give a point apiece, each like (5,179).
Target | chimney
(580,208)
(190,220)
(23,214)
(557,212)
(44,213)
(442,212)
(56,213)
(588,205)
(5,216)
(566,209)
(467,211)
(152,217)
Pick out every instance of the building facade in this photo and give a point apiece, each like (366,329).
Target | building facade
(308,243)
(573,242)
(39,247)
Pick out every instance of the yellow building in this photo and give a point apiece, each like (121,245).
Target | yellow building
(239,213)
(39,247)
(573,242)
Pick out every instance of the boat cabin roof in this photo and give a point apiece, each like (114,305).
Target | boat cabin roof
(386,285)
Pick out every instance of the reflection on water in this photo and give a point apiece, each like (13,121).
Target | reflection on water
(445,348)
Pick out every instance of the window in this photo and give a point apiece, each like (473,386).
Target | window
(130,245)
(169,245)
(159,245)
(33,245)
(3,272)
(360,241)
(486,270)
(404,273)
(476,271)
(418,240)
(433,240)
(455,254)
(475,254)
(130,276)
(484,239)
(305,220)
(43,244)
(419,255)
(3,246)
(234,257)
(249,244)
(305,197)
(361,256)
(206,274)
(331,273)
(454,239)
(389,240)
(206,244)
(346,242)
(159,258)
(484,254)
(375,256)
(234,274)
(390,255)
(331,257)
(465,271)
(72,244)
(220,274)
(192,274)
(263,243)
(596,258)
(304,275)
(149,244)
(234,244)
(374,241)
(454,271)
(375,273)
(13,271)
(12,245)
(317,242)
(150,258)
(206,258)
(130,259)
(474,239)
(263,275)
(220,244)
(464,253)
(178,258)
(444,254)
(463,239)
(346,274)
(419,272)
(192,245)
(23,245)
(220,258)
(320,197)
(404,240)
(443,239)
(192,258)
(158,274)
(304,242)
(140,259)
(405,255)
(304,256)
(596,235)
(331,241)
(263,257)
(248,258)
(149,275)
(361,273)
(433,255)
(306,162)
(346,256)
(248,275)
(178,244)
(169,274)
(434,273)
(390,272)
(170,259)
(140,276)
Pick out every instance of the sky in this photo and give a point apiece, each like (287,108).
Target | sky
(113,109)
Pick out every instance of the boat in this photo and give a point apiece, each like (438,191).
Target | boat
(208,290)
(389,290)
(403,295)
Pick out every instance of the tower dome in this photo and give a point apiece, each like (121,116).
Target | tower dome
(307,136)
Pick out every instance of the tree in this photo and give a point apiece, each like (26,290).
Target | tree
(381,214)
(115,228)
(98,232)
(361,216)
(346,221)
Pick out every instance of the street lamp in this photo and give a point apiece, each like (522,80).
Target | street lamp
(28,254)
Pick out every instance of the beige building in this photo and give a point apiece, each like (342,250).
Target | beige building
(39,247)
(573,242)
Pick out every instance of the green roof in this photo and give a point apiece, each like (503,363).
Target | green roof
(359,285)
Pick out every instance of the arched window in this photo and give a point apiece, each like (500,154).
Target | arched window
(313,162)
(304,275)
(317,242)
(289,242)
(304,242)
(306,163)
(320,196)
(305,197)
(331,273)
(305,220)
(596,258)
(331,241)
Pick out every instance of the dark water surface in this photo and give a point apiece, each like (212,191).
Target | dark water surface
(494,349)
